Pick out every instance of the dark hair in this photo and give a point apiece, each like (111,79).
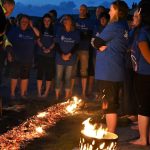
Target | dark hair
(83,5)
(102,7)
(122,8)
(72,21)
(54,12)
(87,13)
(105,15)
(144,5)
(23,16)
(8,1)
(50,29)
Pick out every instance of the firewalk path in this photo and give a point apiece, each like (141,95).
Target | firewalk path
(65,134)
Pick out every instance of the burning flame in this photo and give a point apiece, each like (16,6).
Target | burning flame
(96,137)
(73,105)
(42,114)
(91,130)
(39,130)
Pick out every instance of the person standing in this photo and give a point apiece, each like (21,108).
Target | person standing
(6,8)
(46,55)
(84,25)
(103,21)
(23,41)
(140,55)
(112,45)
(67,42)
(99,10)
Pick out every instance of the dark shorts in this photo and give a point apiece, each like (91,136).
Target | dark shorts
(20,70)
(45,68)
(91,63)
(108,91)
(142,93)
(129,103)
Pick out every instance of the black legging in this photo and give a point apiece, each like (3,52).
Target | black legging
(45,68)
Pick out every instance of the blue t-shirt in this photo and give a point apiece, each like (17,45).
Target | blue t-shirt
(23,44)
(131,43)
(96,32)
(66,41)
(140,65)
(47,39)
(85,26)
(96,22)
(110,64)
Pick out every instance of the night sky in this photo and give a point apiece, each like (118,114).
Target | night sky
(39,7)
(77,2)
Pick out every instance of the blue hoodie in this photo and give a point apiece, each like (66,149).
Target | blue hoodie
(110,64)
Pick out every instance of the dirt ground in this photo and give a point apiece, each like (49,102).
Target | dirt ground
(65,134)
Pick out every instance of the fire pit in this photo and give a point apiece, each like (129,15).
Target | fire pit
(97,138)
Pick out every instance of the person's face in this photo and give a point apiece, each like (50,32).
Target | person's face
(83,11)
(67,22)
(24,23)
(113,13)
(9,8)
(136,19)
(99,11)
(103,21)
(47,22)
(52,15)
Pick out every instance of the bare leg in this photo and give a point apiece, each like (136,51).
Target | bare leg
(91,84)
(52,85)
(48,84)
(39,87)
(67,91)
(84,83)
(143,123)
(13,86)
(24,86)
(57,94)
(72,86)
(111,120)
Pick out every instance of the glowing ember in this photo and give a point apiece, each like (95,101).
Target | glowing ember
(73,105)
(35,126)
(91,130)
(41,115)
(39,130)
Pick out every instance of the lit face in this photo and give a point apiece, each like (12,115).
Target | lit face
(103,21)
(83,11)
(9,8)
(24,23)
(47,21)
(67,22)
(136,19)
(113,13)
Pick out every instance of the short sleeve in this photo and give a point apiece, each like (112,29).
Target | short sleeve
(142,36)
(108,33)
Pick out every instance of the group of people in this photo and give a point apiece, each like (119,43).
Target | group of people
(110,49)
